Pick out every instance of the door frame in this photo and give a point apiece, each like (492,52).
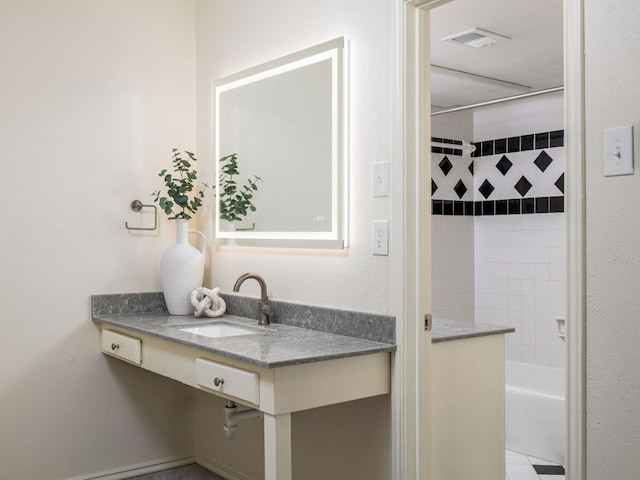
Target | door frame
(410,235)
(411,271)
(575,237)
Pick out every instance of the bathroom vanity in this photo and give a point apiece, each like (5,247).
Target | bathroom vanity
(277,369)
(468,400)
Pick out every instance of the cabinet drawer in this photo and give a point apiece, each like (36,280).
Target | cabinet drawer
(229,380)
(122,346)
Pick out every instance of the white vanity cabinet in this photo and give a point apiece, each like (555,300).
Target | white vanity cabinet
(232,381)
(122,346)
(277,391)
(468,401)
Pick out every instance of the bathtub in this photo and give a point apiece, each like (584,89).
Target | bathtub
(535,411)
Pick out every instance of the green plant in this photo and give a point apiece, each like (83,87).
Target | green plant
(235,200)
(181,200)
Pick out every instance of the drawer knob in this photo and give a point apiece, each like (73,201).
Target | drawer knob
(218,381)
(115,346)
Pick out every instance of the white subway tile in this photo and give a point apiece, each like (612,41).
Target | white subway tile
(514,270)
(514,352)
(557,272)
(529,336)
(556,342)
(528,271)
(528,304)
(528,353)
(515,303)
(514,337)
(514,319)
(557,289)
(543,322)
(542,271)
(514,286)
(542,288)
(542,355)
(502,285)
(484,315)
(558,305)
(529,320)
(542,338)
(502,302)
(557,358)
(558,255)
(502,270)
(542,255)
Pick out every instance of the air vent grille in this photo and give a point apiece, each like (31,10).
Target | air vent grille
(475,38)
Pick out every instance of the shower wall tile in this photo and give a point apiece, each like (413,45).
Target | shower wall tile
(515,266)
(452,177)
(452,267)
(520,282)
(511,183)
(517,175)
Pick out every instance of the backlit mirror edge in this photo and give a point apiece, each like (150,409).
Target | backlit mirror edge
(338,238)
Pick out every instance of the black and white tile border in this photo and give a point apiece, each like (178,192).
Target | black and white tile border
(517,175)
(522,143)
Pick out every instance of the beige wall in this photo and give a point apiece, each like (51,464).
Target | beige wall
(93,96)
(93,99)
(351,440)
(612,70)
(233,36)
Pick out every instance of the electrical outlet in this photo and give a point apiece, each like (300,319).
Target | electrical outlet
(381,237)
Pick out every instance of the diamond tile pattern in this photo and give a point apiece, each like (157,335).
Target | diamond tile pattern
(445,185)
(516,175)
(560,183)
(460,189)
(486,189)
(543,161)
(504,165)
(446,166)
(542,183)
(523,186)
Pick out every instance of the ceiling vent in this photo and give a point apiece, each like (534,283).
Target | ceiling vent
(475,38)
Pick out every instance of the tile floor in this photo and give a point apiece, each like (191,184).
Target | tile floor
(520,467)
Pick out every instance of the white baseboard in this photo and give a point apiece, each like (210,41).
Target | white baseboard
(140,469)
(219,468)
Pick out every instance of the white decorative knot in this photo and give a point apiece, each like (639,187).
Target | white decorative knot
(207,302)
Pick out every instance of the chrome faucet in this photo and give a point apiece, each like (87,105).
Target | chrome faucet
(265,306)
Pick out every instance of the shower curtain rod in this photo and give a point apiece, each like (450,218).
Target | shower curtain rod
(499,100)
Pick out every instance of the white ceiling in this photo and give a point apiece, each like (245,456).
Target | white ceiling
(533,57)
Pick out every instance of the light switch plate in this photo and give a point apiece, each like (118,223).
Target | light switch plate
(618,151)
(381,179)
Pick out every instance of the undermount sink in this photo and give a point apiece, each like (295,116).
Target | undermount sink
(218,330)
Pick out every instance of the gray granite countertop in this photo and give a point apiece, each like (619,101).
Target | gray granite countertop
(274,345)
(448,330)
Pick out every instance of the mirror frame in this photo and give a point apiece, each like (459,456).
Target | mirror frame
(337,238)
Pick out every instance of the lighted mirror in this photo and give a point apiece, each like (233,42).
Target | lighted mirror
(284,122)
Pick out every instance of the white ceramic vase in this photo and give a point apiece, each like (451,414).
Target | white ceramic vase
(231,228)
(182,270)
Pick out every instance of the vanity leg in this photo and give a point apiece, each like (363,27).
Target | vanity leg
(277,447)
